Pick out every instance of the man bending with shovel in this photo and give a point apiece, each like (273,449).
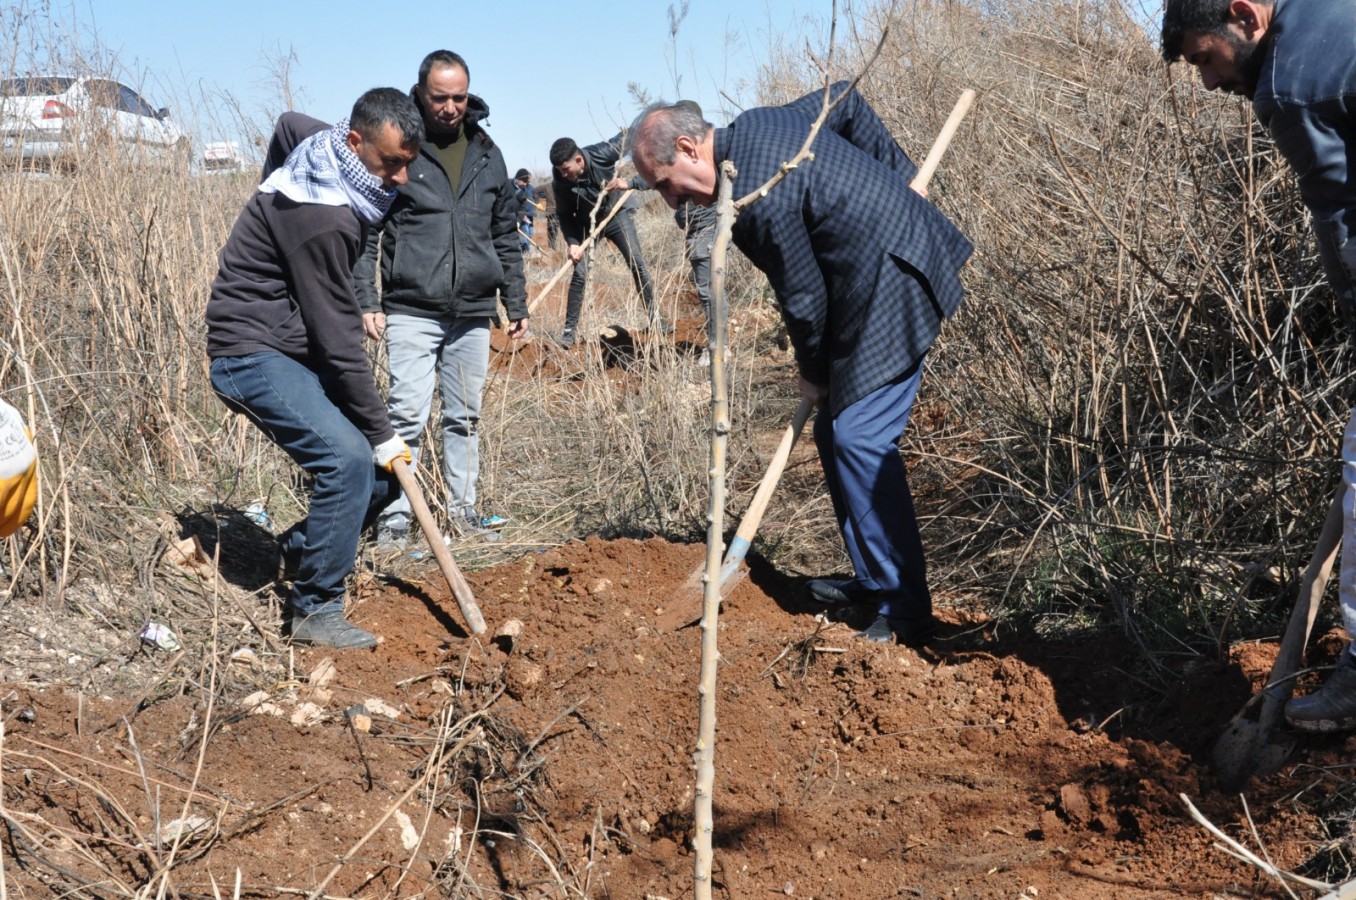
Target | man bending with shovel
(1296,61)
(580,176)
(285,336)
(864,270)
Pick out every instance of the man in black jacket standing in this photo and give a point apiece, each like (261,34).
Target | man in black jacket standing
(579,176)
(284,336)
(449,252)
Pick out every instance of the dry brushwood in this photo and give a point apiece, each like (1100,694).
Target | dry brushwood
(1238,851)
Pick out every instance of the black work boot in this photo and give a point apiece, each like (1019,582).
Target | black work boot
(833,592)
(1331,707)
(330,629)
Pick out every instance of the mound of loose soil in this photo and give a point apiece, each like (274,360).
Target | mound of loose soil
(557,761)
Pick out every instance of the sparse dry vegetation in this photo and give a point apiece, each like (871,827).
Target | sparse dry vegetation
(1132,422)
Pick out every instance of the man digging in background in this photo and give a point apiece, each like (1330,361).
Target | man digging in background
(453,230)
(864,270)
(284,333)
(1296,61)
(526,196)
(579,176)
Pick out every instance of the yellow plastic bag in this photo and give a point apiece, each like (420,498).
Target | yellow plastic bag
(18,471)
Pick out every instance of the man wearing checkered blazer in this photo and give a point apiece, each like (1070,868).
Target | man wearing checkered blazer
(865,270)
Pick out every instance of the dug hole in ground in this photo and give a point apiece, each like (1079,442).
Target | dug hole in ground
(555,759)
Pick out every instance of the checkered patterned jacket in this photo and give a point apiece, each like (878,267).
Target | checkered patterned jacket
(864,269)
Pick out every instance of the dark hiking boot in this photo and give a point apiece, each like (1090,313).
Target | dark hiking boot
(471,525)
(330,629)
(1331,707)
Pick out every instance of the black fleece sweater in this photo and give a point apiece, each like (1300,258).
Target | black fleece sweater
(284,284)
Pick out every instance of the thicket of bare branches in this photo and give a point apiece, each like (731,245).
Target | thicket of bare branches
(1137,411)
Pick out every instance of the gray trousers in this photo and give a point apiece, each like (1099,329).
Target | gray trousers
(454,351)
(699,257)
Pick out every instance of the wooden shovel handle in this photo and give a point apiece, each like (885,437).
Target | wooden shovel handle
(1291,651)
(753,516)
(455,580)
(588,242)
(934,158)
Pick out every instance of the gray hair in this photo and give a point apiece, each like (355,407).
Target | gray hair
(656,130)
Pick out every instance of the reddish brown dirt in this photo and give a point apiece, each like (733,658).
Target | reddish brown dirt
(995,764)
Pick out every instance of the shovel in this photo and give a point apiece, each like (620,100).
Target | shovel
(731,570)
(455,580)
(1246,746)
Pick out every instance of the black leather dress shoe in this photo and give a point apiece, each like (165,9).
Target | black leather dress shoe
(833,592)
(914,632)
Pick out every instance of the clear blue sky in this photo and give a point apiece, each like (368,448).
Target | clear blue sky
(545,69)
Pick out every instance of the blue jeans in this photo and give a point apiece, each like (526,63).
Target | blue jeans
(289,403)
(869,486)
(455,351)
(525,239)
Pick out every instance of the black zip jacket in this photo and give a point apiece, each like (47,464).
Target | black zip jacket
(447,255)
(575,199)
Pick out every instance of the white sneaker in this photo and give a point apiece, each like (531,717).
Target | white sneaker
(393,533)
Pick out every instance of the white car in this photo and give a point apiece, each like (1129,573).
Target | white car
(54,120)
(222,156)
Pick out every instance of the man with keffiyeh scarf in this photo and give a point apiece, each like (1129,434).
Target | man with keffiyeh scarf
(284,334)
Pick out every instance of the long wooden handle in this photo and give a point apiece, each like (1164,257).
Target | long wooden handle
(588,242)
(934,158)
(1279,686)
(753,516)
(455,580)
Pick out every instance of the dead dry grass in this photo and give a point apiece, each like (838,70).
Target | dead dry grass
(1133,421)
(1132,418)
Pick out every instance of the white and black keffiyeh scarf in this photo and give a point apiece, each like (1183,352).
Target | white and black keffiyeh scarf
(322,169)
